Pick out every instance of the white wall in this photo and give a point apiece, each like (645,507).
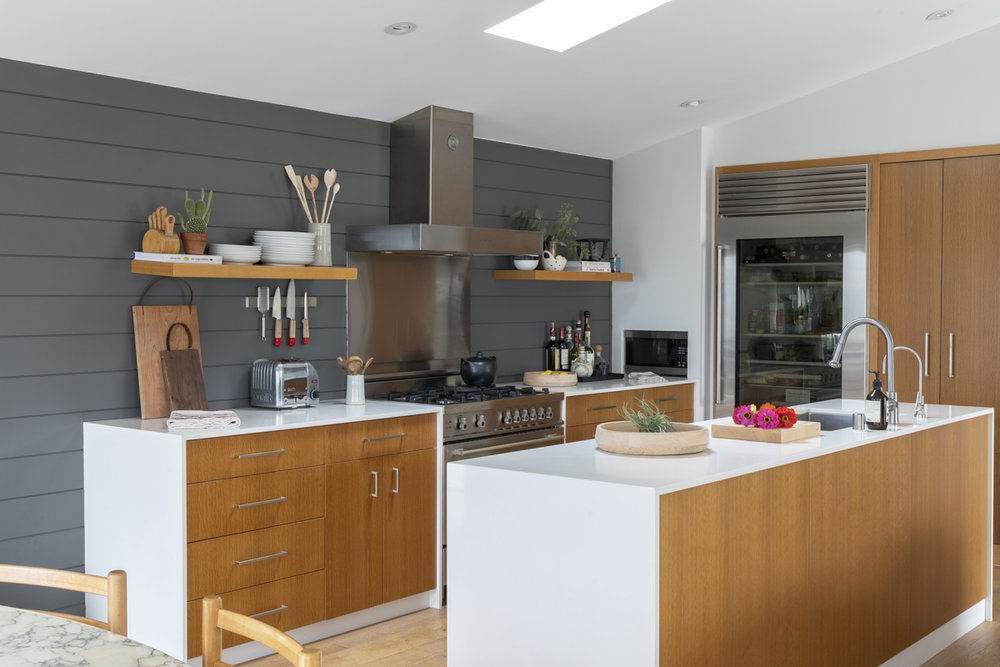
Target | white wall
(659,205)
(662,211)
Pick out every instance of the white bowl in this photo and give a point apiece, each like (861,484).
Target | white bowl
(525,262)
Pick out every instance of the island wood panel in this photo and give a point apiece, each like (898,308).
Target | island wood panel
(227,563)
(213,507)
(237,455)
(909,264)
(734,571)
(302,595)
(950,539)
(970,296)
(410,545)
(355,440)
(859,554)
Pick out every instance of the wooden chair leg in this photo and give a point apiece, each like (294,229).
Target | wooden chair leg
(117,609)
(311,657)
(211,633)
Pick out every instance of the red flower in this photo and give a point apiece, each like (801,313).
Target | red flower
(786,417)
(767,418)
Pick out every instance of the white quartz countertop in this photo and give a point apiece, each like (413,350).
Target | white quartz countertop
(605,386)
(254,420)
(724,458)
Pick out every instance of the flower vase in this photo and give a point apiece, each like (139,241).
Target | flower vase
(324,251)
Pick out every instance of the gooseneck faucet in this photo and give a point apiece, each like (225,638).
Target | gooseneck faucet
(891,405)
(919,409)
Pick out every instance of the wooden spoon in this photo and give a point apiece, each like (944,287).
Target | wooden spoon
(367,364)
(341,362)
(354,365)
(336,189)
(329,176)
(297,184)
(312,183)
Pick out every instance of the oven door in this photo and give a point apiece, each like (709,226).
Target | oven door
(503,443)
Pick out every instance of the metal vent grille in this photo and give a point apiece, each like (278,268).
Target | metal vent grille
(794,191)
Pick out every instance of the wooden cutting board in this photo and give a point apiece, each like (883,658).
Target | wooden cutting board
(182,374)
(800,431)
(151,324)
(540,379)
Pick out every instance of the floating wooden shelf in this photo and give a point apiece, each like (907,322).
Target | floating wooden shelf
(243,271)
(591,276)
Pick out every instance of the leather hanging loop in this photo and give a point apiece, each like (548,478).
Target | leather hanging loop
(190,344)
(186,283)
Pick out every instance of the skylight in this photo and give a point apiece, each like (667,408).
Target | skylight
(562,24)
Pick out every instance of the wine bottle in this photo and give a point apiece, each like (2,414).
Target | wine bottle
(563,350)
(552,350)
(586,337)
(575,349)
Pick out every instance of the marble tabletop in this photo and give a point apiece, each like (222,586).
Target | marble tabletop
(30,638)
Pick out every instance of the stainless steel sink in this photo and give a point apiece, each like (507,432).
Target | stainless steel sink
(828,421)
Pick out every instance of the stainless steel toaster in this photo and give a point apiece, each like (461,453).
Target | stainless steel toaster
(283,383)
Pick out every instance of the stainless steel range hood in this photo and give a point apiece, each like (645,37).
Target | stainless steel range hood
(430,194)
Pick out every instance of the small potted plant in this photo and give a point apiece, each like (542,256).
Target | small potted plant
(649,432)
(558,232)
(195,234)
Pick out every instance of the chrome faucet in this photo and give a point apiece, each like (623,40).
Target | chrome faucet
(919,409)
(891,405)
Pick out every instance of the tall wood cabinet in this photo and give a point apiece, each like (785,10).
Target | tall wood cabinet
(939,278)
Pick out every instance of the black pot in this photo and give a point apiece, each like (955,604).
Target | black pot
(479,371)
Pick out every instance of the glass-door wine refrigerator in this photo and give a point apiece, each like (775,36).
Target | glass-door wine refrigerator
(788,278)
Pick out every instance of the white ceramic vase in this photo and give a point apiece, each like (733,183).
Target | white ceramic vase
(552,262)
(355,390)
(324,251)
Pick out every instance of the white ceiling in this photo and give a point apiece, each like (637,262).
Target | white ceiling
(607,97)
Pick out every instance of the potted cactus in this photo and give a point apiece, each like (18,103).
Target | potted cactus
(195,234)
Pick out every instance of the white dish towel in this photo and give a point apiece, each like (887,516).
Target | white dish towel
(202,420)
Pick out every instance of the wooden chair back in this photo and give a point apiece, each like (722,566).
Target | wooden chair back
(215,619)
(112,587)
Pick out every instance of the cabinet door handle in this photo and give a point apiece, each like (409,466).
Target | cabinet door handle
(719,249)
(256,454)
(603,407)
(375,475)
(927,343)
(260,558)
(270,611)
(385,437)
(951,355)
(395,480)
(664,400)
(269,501)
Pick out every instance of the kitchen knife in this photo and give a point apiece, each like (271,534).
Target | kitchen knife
(290,311)
(305,318)
(276,314)
(263,296)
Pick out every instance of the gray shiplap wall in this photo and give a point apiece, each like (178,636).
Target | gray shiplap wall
(84,159)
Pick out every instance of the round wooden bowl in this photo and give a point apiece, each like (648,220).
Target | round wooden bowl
(622,438)
(539,379)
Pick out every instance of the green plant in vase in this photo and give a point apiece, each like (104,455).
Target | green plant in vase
(647,418)
(195,234)
(561,231)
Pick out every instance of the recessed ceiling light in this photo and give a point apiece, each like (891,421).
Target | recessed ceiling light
(939,14)
(558,25)
(401,28)
(688,104)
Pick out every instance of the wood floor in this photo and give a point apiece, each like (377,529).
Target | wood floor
(418,640)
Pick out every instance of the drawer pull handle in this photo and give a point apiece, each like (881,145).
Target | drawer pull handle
(270,611)
(664,400)
(603,407)
(375,475)
(256,454)
(395,477)
(269,501)
(260,558)
(385,437)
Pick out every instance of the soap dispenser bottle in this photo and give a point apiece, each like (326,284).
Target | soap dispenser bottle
(875,417)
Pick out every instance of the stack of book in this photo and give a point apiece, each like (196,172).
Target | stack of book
(177,259)
(595,267)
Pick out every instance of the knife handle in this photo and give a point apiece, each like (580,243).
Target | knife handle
(305,331)
(277,332)
(291,332)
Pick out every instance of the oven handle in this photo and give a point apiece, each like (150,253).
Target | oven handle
(461,451)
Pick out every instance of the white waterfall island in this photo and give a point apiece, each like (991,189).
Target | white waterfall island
(857,548)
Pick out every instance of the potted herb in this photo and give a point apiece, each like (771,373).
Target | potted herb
(195,234)
(648,431)
(560,231)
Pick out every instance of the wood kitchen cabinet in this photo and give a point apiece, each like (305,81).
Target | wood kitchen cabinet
(585,412)
(938,230)
(381,506)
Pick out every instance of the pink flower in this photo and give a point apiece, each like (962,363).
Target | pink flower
(744,415)
(767,418)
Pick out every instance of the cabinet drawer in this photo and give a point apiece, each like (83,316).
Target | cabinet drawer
(598,408)
(237,505)
(233,456)
(299,599)
(255,557)
(378,437)
(668,399)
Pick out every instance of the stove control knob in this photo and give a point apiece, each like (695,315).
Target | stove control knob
(548,413)
(480,421)
(534,414)
(506,419)
(462,423)
(524,414)
(517,417)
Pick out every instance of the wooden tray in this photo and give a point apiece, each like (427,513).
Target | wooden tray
(539,379)
(800,431)
(623,438)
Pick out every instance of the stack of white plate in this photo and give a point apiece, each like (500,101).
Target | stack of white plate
(286,248)
(235,254)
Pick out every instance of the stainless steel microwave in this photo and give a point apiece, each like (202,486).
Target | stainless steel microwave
(660,352)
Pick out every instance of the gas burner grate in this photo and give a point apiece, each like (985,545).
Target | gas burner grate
(463,394)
